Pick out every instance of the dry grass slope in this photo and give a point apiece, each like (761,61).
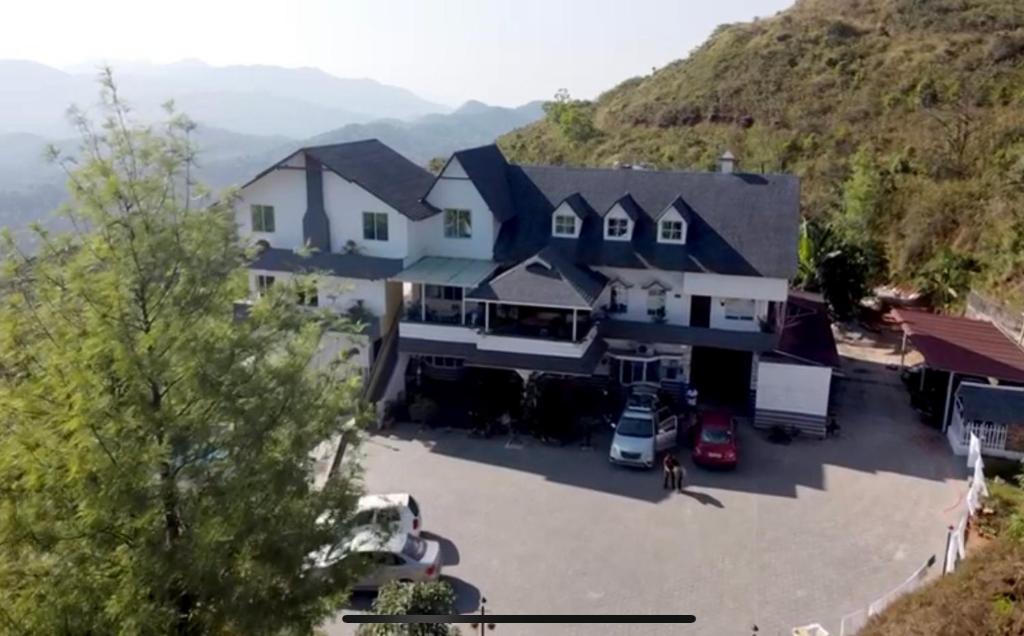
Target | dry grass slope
(933,90)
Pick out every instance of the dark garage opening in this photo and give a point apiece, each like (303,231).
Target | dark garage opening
(722,376)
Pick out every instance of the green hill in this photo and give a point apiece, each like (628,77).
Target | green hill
(905,118)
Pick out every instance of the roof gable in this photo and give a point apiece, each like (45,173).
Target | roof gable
(486,168)
(546,278)
(381,171)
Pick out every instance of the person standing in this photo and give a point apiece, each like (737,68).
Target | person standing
(671,469)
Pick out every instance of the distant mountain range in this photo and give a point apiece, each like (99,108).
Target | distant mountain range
(248,117)
(259,100)
(472,124)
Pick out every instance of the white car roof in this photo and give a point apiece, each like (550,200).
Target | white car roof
(374,541)
(371,502)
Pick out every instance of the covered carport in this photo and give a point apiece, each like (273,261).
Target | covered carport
(794,381)
(954,349)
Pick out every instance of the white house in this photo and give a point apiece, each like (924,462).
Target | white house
(633,276)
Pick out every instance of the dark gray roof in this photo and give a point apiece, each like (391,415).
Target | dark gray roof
(548,279)
(345,265)
(682,207)
(694,336)
(500,360)
(629,206)
(488,170)
(578,205)
(740,224)
(381,171)
(992,404)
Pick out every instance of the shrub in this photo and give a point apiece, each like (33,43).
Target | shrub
(435,597)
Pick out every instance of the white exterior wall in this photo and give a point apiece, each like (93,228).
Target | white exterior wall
(345,203)
(720,321)
(454,190)
(677,302)
(286,191)
(339,294)
(793,388)
(723,286)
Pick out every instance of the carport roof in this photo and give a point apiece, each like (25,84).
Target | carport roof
(450,272)
(963,345)
(1002,405)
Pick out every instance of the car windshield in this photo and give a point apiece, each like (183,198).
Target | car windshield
(414,547)
(635,427)
(363,518)
(715,436)
(643,401)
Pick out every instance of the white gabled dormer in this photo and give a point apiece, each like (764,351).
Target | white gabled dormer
(674,223)
(620,219)
(567,219)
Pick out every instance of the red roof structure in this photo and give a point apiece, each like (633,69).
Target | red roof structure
(962,345)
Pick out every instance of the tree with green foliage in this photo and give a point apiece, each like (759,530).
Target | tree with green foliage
(435,597)
(843,273)
(831,266)
(155,459)
(946,278)
(573,117)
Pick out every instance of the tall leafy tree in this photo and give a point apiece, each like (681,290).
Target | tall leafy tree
(155,453)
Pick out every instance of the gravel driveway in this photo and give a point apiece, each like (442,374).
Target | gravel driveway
(800,533)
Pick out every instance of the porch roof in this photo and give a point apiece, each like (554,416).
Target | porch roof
(651,332)
(506,360)
(1001,405)
(449,272)
(963,346)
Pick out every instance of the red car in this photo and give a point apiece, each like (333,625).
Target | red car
(715,443)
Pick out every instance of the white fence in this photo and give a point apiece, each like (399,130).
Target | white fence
(956,544)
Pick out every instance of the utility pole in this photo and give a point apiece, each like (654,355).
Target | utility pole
(482,626)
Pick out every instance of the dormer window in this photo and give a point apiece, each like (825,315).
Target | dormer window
(565,225)
(672,231)
(674,221)
(616,228)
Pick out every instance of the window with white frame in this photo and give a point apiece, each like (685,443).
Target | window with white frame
(616,227)
(263,284)
(656,302)
(565,225)
(375,226)
(618,299)
(457,223)
(262,218)
(738,309)
(672,231)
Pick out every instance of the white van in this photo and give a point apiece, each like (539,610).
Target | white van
(640,434)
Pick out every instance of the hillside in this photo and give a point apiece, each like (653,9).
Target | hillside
(905,118)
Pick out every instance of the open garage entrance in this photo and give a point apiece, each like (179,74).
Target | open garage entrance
(722,376)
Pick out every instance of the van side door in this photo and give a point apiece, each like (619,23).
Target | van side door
(666,430)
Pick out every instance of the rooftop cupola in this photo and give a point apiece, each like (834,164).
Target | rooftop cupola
(727,163)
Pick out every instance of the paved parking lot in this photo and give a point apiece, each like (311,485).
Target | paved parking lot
(799,533)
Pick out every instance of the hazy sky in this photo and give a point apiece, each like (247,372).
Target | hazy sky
(502,52)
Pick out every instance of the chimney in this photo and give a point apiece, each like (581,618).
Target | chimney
(727,163)
(316,230)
